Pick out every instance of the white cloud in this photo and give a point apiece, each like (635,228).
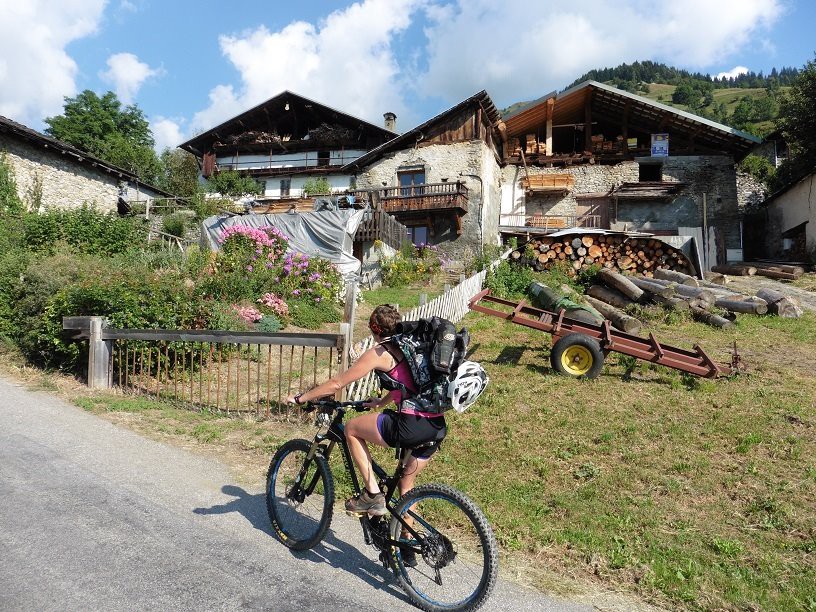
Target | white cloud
(36,71)
(346,61)
(733,73)
(516,50)
(167,133)
(127,74)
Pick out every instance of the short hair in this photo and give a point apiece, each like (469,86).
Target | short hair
(384,320)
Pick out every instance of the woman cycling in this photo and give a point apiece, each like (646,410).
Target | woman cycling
(409,427)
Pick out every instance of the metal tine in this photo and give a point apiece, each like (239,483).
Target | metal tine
(268,379)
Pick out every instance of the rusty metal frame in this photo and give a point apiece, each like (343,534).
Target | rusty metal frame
(695,362)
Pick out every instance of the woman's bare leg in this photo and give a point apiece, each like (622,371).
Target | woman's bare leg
(360,430)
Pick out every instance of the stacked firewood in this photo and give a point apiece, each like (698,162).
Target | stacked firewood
(642,256)
(707,302)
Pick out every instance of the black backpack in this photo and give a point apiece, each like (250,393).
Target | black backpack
(433,350)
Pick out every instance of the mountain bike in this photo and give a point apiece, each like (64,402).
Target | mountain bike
(435,539)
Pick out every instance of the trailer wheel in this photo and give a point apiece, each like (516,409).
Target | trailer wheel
(578,356)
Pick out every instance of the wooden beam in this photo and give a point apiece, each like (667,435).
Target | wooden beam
(588,121)
(548,137)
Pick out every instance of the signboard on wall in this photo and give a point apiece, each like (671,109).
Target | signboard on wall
(660,145)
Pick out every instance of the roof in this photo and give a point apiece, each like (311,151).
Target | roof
(808,174)
(397,143)
(8,126)
(569,105)
(260,117)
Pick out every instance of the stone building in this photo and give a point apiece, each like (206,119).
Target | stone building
(52,174)
(598,156)
(441,179)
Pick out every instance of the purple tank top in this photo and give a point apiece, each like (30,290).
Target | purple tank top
(402,374)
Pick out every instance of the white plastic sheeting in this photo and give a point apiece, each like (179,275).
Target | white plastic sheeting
(328,233)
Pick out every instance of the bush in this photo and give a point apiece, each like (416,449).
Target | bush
(10,202)
(268,324)
(307,314)
(86,229)
(414,263)
(175,225)
(317,186)
(508,280)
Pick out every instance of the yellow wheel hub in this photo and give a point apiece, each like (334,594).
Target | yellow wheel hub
(577,360)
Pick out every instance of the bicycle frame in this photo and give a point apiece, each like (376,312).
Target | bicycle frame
(335,435)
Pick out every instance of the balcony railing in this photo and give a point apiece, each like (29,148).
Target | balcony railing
(380,225)
(427,197)
(549,223)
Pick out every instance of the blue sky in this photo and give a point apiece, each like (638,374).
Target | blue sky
(191,64)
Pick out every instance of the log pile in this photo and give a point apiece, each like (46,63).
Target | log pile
(707,302)
(752,268)
(641,256)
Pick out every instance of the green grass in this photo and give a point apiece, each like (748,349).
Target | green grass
(694,494)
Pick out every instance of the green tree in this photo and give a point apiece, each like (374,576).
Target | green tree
(797,116)
(100,126)
(233,184)
(179,173)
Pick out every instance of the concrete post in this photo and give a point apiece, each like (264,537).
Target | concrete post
(99,356)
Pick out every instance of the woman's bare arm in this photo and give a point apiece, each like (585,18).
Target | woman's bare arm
(374,358)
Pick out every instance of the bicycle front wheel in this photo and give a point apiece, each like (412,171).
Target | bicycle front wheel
(453,561)
(299,495)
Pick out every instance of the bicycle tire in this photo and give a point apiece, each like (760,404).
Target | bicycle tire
(299,523)
(459,544)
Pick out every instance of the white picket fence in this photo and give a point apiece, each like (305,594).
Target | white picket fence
(451,305)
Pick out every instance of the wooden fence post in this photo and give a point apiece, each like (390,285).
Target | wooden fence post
(344,341)
(423,299)
(99,356)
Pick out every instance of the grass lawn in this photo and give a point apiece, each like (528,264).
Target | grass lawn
(691,493)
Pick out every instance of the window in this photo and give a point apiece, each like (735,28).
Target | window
(418,234)
(650,172)
(409,181)
(322,159)
(285,187)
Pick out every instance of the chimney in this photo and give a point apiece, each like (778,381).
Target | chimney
(390,122)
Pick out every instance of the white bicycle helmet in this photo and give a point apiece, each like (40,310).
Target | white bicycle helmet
(468,384)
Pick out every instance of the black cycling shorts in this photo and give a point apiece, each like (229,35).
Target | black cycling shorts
(413,430)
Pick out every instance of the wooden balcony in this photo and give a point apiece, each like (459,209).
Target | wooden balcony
(431,197)
(545,224)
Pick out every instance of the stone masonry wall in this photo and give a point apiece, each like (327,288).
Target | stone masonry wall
(713,175)
(65,183)
(452,162)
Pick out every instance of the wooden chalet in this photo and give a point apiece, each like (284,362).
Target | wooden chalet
(285,141)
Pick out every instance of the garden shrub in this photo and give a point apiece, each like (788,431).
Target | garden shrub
(413,263)
(309,315)
(175,225)
(507,280)
(86,229)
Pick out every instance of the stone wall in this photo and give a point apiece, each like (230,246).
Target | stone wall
(453,162)
(713,175)
(751,193)
(65,182)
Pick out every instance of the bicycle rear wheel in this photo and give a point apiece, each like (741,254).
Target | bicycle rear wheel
(299,495)
(456,557)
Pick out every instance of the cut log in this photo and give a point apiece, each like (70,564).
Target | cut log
(652,287)
(798,270)
(576,242)
(621,283)
(587,241)
(715,278)
(677,277)
(609,296)
(710,318)
(776,274)
(687,291)
(549,299)
(780,304)
(671,303)
(595,251)
(618,318)
(735,270)
(757,307)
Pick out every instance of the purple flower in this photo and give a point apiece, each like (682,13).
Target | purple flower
(249,268)
(295,292)
(317,299)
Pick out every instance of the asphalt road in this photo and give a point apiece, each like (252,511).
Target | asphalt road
(96,517)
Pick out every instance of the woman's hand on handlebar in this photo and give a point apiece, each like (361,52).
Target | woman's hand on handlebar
(372,403)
